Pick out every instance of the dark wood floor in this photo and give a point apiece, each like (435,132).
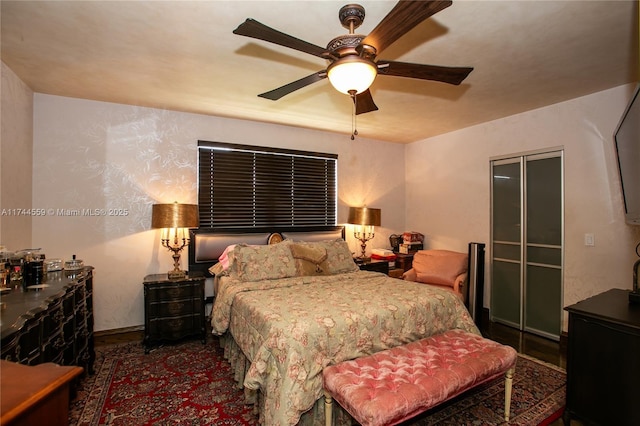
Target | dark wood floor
(529,344)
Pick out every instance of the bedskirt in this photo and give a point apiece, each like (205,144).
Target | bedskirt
(240,364)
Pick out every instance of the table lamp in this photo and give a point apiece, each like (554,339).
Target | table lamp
(174,220)
(366,219)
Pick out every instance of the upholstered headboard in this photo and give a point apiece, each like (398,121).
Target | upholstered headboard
(206,245)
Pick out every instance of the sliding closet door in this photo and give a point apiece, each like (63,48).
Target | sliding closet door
(526,278)
(544,230)
(506,253)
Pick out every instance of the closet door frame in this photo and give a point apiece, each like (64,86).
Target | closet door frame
(522,159)
(511,160)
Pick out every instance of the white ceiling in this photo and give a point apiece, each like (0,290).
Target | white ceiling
(183,56)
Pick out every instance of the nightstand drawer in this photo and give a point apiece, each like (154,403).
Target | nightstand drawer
(175,307)
(175,327)
(171,292)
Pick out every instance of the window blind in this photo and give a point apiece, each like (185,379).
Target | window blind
(241,186)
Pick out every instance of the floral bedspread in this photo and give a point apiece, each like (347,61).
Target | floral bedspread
(290,329)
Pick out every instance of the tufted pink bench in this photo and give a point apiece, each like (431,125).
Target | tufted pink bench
(396,384)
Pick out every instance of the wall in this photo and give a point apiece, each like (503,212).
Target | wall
(448,187)
(95,159)
(16,154)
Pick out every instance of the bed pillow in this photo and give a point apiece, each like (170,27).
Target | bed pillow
(440,267)
(224,257)
(309,258)
(256,263)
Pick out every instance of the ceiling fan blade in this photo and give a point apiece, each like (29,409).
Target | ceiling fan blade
(276,94)
(255,29)
(451,75)
(364,102)
(403,17)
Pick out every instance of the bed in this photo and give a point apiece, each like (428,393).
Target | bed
(285,311)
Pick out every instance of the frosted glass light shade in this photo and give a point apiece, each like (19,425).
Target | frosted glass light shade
(352,73)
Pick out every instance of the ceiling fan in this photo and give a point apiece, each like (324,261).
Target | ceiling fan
(353,64)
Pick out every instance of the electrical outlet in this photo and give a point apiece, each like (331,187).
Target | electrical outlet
(589,240)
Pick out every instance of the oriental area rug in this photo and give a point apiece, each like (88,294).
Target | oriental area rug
(192,384)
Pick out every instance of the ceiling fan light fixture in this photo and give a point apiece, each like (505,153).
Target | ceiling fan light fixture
(352,73)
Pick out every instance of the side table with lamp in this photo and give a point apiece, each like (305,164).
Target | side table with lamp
(174,301)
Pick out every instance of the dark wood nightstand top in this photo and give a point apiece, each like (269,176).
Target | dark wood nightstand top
(163,278)
(374,265)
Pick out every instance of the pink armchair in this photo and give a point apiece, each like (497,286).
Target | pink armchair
(441,268)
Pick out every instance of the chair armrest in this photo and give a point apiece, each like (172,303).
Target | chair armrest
(409,275)
(459,285)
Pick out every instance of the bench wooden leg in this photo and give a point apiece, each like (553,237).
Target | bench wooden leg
(328,409)
(508,382)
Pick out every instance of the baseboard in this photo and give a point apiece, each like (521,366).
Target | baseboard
(116,331)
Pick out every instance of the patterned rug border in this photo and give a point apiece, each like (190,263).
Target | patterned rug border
(545,363)
(89,412)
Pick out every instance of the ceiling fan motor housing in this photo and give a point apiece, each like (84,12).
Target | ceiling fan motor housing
(351,16)
(345,45)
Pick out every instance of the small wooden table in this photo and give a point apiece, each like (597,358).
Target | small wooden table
(173,309)
(603,372)
(35,395)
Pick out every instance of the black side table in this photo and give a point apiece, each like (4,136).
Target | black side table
(603,372)
(173,309)
(374,265)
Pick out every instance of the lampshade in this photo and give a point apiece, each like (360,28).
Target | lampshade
(174,215)
(364,216)
(352,73)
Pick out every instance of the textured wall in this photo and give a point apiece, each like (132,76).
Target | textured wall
(16,152)
(101,166)
(449,200)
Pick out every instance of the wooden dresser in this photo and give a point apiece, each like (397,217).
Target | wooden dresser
(173,309)
(603,372)
(37,395)
(52,324)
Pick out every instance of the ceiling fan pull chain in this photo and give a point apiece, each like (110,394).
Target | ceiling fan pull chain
(354,131)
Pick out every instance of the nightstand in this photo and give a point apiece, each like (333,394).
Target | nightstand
(173,309)
(404,261)
(374,265)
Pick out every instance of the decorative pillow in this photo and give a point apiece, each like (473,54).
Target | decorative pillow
(309,258)
(263,262)
(217,269)
(275,238)
(440,267)
(339,258)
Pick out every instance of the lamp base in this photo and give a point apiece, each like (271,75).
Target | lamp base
(176,275)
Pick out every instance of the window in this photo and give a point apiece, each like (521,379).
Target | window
(241,186)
